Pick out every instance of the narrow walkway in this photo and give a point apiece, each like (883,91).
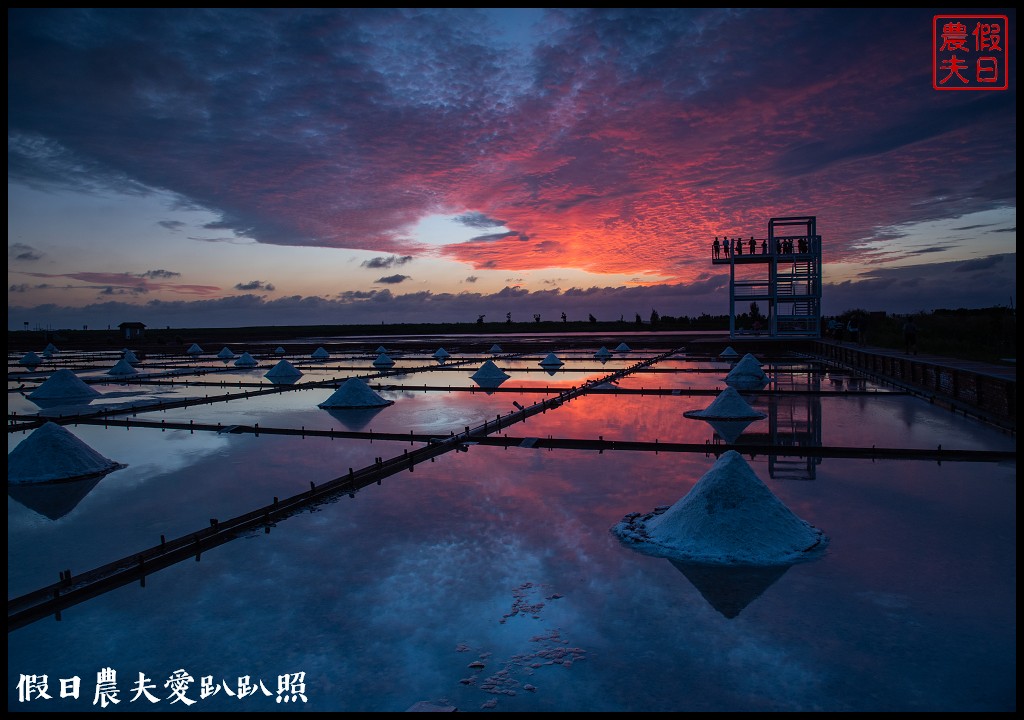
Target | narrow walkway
(983,390)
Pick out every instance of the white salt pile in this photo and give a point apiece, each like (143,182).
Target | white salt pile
(622,347)
(50,348)
(63,384)
(53,453)
(603,353)
(489,375)
(279,350)
(729,405)
(747,374)
(380,349)
(194,350)
(496,348)
(130,357)
(123,368)
(383,361)
(225,353)
(490,371)
(355,393)
(440,354)
(320,354)
(728,353)
(30,359)
(284,370)
(551,360)
(728,518)
(246,360)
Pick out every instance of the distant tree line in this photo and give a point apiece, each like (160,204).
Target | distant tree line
(982,334)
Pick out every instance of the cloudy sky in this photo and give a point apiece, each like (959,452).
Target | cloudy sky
(222,167)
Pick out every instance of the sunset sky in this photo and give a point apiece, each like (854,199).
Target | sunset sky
(231,167)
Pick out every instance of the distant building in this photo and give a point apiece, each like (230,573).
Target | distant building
(132,330)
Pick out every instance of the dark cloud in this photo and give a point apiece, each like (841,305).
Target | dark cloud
(472,278)
(111,282)
(622,142)
(478,220)
(255,285)
(161,274)
(498,236)
(386,262)
(171,224)
(927,287)
(897,290)
(23,252)
(124,290)
(392,279)
(985,263)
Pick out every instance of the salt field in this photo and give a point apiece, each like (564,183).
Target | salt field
(511,547)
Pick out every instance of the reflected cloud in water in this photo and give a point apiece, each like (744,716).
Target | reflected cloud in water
(502,557)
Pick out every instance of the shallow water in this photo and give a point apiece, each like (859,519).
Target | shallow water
(503,557)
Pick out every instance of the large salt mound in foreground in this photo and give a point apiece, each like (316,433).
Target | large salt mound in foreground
(53,453)
(728,518)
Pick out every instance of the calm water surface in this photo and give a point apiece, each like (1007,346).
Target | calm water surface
(490,580)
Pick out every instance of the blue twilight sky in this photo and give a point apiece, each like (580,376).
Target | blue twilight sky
(228,167)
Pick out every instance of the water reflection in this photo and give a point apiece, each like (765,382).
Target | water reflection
(354,419)
(730,589)
(502,557)
(54,500)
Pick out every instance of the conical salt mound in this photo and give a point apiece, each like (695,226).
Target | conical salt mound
(31,359)
(355,393)
(440,354)
(495,348)
(728,353)
(50,348)
(225,353)
(381,350)
(728,518)
(320,354)
(749,365)
(622,347)
(551,361)
(122,368)
(490,371)
(729,405)
(246,360)
(284,370)
(747,374)
(383,361)
(603,353)
(63,384)
(130,357)
(52,453)
(195,350)
(279,350)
